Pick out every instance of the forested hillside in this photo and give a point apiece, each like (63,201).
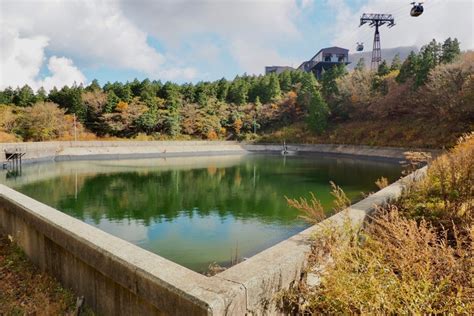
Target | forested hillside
(426,100)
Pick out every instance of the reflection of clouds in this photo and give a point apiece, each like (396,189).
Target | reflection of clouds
(132,231)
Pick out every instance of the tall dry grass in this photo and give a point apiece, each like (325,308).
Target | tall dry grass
(415,257)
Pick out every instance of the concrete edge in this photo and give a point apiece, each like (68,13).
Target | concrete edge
(279,266)
(172,288)
(88,150)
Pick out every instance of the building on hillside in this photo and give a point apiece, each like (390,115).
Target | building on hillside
(277,69)
(325,59)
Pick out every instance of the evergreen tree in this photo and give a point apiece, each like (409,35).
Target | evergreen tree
(222,89)
(328,80)
(94,86)
(429,58)
(318,113)
(24,96)
(112,101)
(308,87)
(409,68)
(450,50)
(6,96)
(383,69)
(285,81)
(396,63)
(41,95)
(238,91)
(273,89)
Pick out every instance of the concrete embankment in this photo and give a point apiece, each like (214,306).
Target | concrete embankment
(119,278)
(86,150)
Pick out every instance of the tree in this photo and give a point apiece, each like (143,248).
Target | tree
(71,100)
(94,86)
(383,69)
(6,96)
(409,68)
(24,96)
(273,89)
(450,50)
(285,81)
(44,121)
(318,113)
(429,57)
(360,65)
(96,103)
(238,91)
(328,80)
(396,63)
(308,87)
(222,89)
(41,95)
(124,121)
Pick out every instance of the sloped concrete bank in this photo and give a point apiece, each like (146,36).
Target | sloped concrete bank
(87,150)
(119,278)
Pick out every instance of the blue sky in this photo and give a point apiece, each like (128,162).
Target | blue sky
(191,40)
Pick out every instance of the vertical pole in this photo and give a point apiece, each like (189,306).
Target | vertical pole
(376,52)
(75,131)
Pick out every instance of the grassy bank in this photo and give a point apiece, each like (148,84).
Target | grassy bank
(24,290)
(405,132)
(415,256)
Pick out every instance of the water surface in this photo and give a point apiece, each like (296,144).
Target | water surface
(196,210)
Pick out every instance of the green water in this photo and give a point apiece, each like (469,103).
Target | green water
(196,210)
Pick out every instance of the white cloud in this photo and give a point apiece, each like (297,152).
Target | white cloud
(21,60)
(250,30)
(187,73)
(94,32)
(440,20)
(63,72)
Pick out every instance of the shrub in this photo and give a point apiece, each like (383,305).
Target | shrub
(398,266)
(415,257)
(45,121)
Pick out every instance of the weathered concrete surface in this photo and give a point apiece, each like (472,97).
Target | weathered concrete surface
(146,149)
(278,267)
(118,278)
(42,151)
(385,153)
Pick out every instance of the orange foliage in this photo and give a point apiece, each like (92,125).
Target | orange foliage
(7,138)
(237,125)
(212,135)
(122,106)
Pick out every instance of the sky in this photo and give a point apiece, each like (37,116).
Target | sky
(61,42)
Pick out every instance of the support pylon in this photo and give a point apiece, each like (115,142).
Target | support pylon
(376,20)
(376,51)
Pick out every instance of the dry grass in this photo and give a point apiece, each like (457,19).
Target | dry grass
(24,290)
(381,183)
(402,132)
(312,211)
(8,138)
(398,266)
(415,257)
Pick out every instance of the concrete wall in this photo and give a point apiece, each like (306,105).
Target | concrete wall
(119,278)
(115,277)
(132,149)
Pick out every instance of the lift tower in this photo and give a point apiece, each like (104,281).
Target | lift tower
(376,19)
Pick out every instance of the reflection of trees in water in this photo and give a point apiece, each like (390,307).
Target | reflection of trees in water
(255,188)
